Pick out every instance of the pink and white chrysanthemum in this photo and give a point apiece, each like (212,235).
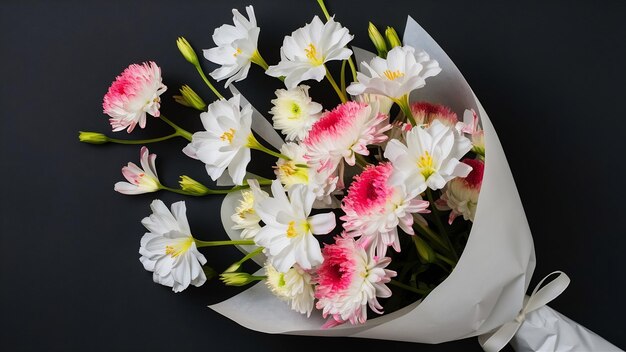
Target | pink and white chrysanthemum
(344,132)
(349,280)
(425,113)
(133,94)
(374,209)
(140,180)
(461,194)
(471,126)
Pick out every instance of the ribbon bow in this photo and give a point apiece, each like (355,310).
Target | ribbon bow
(495,341)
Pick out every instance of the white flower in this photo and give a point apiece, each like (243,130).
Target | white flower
(169,250)
(298,170)
(288,232)
(430,158)
(295,287)
(245,218)
(304,53)
(403,71)
(236,47)
(140,180)
(225,143)
(294,112)
(134,93)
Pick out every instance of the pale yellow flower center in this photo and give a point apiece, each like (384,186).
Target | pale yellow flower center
(426,164)
(246,205)
(237,52)
(177,249)
(228,135)
(295,111)
(311,54)
(392,75)
(292,228)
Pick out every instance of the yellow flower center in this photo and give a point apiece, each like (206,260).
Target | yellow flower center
(292,229)
(392,75)
(237,52)
(311,54)
(426,164)
(177,249)
(295,111)
(228,135)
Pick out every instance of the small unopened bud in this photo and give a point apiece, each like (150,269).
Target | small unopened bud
(378,40)
(424,250)
(192,186)
(392,38)
(238,279)
(190,98)
(92,137)
(187,51)
(233,268)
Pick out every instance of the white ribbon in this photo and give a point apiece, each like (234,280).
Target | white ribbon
(495,341)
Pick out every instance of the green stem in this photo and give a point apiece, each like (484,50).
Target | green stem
(427,232)
(361,160)
(210,191)
(352,68)
(181,132)
(257,277)
(442,229)
(254,144)
(250,255)
(324,10)
(335,86)
(208,83)
(445,259)
(343,78)
(404,105)
(143,141)
(200,243)
(408,288)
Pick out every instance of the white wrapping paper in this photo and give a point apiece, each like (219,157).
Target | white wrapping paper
(484,291)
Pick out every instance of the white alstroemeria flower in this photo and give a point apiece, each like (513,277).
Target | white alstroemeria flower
(140,180)
(245,218)
(294,287)
(236,47)
(288,232)
(169,250)
(403,71)
(300,171)
(295,112)
(304,53)
(226,141)
(430,158)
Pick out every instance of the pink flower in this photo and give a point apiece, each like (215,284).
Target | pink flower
(349,279)
(426,113)
(471,126)
(461,194)
(374,209)
(140,180)
(343,132)
(133,94)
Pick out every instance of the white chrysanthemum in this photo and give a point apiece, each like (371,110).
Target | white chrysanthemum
(294,287)
(349,280)
(299,171)
(169,250)
(226,141)
(236,47)
(245,218)
(294,112)
(304,53)
(460,195)
(403,71)
(344,132)
(288,232)
(140,180)
(430,158)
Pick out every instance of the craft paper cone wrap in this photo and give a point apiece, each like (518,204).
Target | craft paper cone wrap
(487,287)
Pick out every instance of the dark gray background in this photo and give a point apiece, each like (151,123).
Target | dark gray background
(551,75)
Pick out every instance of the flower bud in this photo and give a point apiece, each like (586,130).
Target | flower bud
(192,186)
(92,137)
(187,51)
(237,279)
(233,268)
(378,40)
(392,38)
(424,250)
(190,98)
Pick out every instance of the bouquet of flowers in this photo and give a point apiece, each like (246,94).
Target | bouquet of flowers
(392,215)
